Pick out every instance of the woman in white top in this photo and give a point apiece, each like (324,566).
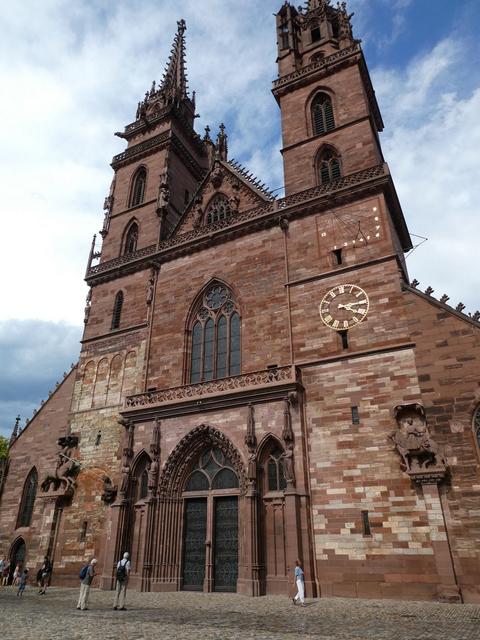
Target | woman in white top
(300,582)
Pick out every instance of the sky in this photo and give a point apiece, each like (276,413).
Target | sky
(72,74)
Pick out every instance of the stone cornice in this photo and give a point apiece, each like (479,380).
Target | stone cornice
(326,65)
(141,149)
(115,332)
(155,144)
(264,216)
(259,386)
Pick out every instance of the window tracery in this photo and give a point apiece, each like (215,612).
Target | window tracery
(276,470)
(215,336)
(213,470)
(218,209)
(328,166)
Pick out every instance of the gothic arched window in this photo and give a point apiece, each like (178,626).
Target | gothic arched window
(117,310)
(322,114)
(138,187)
(276,470)
(213,470)
(328,166)
(131,238)
(476,425)
(215,336)
(218,209)
(28,499)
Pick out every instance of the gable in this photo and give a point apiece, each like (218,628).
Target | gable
(228,189)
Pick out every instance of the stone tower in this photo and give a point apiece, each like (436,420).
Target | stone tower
(258,381)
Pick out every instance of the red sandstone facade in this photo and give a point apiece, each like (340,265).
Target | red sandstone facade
(220,423)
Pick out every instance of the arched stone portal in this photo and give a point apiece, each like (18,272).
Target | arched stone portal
(18,552)
(201,491)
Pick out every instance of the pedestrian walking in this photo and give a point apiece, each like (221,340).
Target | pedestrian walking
(300,583)
(87,575)
(3,562)
(6,573)
(122,575)
(45,573)
(22,582)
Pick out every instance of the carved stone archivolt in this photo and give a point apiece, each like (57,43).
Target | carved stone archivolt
(422,458)
(180,460)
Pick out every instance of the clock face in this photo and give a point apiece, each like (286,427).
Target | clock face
(339,229)
(344,306)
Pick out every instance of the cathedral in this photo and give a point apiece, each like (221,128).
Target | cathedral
(259,380)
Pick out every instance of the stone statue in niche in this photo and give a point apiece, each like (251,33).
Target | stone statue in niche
(419,452)
(289,465)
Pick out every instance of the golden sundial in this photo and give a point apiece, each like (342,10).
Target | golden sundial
(350,229)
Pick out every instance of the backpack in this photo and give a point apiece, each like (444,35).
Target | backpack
(83,572)
(121,572)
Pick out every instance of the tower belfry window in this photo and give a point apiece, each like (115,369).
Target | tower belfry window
(117,310)
(315,33)
(328,166)
(322,114)
(131,239)
(138,187)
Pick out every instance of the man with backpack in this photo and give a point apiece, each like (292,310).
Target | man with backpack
(122,574)
(87,575)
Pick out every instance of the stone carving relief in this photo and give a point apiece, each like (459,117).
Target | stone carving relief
(109,490)
(62,479)
(153,467)
(422,458)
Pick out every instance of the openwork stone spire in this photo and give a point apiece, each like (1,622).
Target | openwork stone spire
(174,87)
(174,82)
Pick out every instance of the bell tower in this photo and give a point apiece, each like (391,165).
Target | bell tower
(161,144)
(330,117)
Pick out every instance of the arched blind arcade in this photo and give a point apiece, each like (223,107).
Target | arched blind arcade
(215,336)
(322,114)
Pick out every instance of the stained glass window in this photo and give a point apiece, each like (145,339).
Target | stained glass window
(215,336)
(28,499)
(212,470)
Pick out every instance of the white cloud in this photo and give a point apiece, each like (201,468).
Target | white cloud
(431,143)
(72,74)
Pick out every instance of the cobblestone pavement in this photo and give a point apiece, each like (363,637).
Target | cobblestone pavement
(176,616)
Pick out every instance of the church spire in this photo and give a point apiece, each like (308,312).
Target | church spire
(174,82)
(173,88)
